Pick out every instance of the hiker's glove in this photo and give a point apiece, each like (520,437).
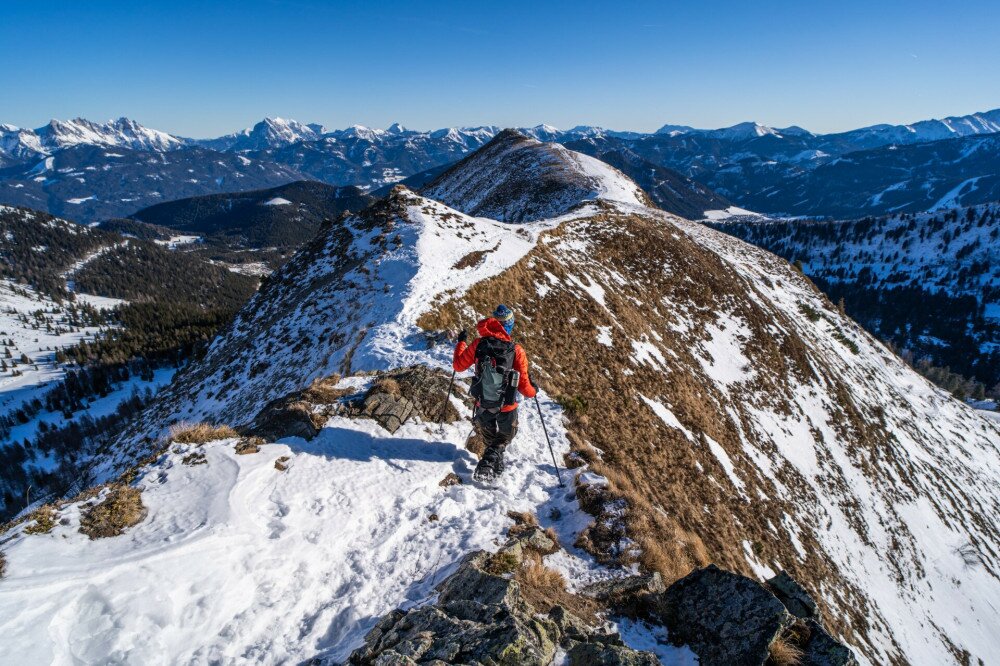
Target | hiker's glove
(463,336)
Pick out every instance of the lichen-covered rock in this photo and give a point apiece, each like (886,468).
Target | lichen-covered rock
(599,654)
(793,596)
(725,618)
(628,593)
(480,617)
(821,649)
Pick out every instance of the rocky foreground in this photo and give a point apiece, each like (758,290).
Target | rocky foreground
(483,616)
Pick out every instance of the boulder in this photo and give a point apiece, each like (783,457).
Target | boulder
(480,617)
(821,649)
(600,654)
(286,417)
(388,410)
(725,618)
(793,596)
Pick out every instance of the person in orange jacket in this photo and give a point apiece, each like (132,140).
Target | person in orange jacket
(501,368)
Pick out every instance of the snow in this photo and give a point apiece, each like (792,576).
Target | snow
(174,242)
(732,211)
(81,200)
(277,201)
(37,343)
(953,198)
(668,417)
(276,567)
(604,336)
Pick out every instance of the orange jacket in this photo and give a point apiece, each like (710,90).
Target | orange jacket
(465,356)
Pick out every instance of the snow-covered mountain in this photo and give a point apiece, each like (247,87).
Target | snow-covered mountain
(88,183)
(708,419)
(268,133)
(779,171)
(16,143)
(929,282)
(515,178)
(987,122)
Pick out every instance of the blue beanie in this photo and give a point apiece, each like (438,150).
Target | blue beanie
(505,316)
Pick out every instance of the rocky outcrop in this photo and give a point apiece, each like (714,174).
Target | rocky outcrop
(482,617)
(394,397)
(730,620)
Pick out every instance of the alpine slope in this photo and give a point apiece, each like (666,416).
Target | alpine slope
(732,412)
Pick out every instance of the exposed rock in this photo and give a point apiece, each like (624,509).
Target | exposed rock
(632,595)
(731,620)
(725,618)
(481,617)
(248,445)
(793,596)
(598,654)
(451,479)
(821,649)
(290,416)
(390,411)
(527,538)
(281,464)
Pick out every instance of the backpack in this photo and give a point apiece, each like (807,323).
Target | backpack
(495,385)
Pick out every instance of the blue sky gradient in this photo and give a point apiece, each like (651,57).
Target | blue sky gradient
(202,69)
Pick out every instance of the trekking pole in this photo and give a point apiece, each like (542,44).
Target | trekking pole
(548,441)
(444,404)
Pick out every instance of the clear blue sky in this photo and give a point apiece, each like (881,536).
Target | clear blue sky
(202,69)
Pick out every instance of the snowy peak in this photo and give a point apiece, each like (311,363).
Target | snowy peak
(268,133)
(121,133)
(23,144)
(986,122)
(516,178)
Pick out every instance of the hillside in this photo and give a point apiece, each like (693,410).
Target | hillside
(929,282)
(89,317)
(89,183)
(515,178)
(278,219)
(705,419)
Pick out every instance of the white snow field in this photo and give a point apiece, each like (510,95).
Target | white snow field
(239,562)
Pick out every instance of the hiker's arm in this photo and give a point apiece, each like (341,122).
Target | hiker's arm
(465,355)
(521,365)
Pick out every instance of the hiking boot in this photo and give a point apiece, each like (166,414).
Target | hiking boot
(490,466)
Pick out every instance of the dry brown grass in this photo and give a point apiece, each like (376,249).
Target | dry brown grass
(387,385)
(43,520)
(200,433)
(120,509)
(544,588)
(784,653)
(3,565)
(323,391)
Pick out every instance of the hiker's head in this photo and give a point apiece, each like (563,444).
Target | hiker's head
(505,316)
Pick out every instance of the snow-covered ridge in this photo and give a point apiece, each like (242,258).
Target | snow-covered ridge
(516,178)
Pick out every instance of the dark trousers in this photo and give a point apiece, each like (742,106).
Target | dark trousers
(497,428)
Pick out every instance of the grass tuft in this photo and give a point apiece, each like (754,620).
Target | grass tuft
(200,433)
(120,509)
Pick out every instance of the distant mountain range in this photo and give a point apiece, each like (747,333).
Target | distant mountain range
(91,171)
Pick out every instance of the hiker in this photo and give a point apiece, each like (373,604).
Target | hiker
(501,368)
